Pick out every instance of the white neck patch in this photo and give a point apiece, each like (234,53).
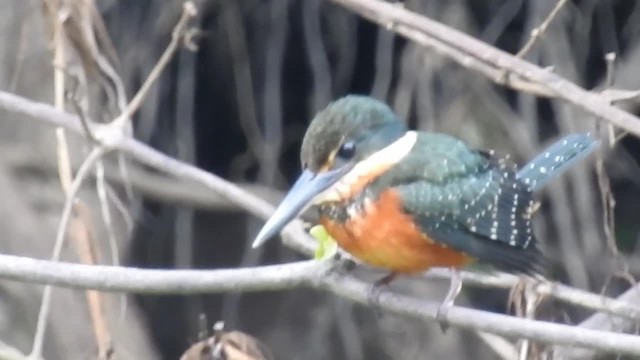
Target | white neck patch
(367,170)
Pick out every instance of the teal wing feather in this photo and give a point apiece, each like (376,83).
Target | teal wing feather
(470,201)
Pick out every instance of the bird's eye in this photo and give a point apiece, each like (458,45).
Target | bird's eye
(347,150)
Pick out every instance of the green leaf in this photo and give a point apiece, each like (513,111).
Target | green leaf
(327,246)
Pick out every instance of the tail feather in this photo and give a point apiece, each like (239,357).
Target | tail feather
(556,159)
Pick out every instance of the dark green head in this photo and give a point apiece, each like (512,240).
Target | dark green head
(349,129)
(338,149)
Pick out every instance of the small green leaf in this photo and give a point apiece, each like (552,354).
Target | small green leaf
(327,246)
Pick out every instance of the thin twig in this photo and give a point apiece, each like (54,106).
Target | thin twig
(84,244)
(62,150)
(616,95)
(83,120)
(105,211)
(188,11)
(45,305)
(101,187)
(610,59)
(608,201)
(538,32)
(243,79)
(499,76)
(606,195)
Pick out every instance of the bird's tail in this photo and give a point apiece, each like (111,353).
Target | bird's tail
(556,159)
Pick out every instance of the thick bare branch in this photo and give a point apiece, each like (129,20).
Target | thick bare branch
(152,281)
(480,53)
(619,307)
(507,326)
(319,275)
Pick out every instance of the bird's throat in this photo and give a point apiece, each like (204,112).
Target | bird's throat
(367,170)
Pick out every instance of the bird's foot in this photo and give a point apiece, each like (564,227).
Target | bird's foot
(443,310)
(373,298)
(374,293)
(441,316)
(516,299)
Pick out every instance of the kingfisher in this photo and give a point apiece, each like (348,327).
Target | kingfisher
(407,201)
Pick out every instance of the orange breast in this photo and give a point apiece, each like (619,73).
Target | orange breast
(384,236)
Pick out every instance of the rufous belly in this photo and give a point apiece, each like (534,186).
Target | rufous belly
(383,236)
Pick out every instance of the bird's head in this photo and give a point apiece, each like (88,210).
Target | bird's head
(351,141)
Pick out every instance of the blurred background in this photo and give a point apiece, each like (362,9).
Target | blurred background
(238,106)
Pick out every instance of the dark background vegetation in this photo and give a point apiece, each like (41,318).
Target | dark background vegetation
(239,107)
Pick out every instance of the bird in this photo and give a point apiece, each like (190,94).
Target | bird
(406,201)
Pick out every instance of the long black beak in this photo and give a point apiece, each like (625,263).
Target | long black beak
(308,185)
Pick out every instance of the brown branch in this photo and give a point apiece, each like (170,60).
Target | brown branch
(62,58)
(474,51)
(65,219)
(84,244)
(87,49)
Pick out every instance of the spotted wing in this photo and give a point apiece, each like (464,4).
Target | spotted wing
(475,204)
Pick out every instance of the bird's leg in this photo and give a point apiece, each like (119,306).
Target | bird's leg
(374,293)
(454,289)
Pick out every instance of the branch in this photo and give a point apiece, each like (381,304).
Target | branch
(177,36)
(475,53)
(620,307)
(136,280)
(192,193)
(314,274)
(605,322)
(538,32)
(174,190)
(152,281)
(71,192)
(154,185)
(507,326)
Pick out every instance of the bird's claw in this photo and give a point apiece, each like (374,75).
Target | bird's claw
(373,297)
(442,316)
(443,310)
